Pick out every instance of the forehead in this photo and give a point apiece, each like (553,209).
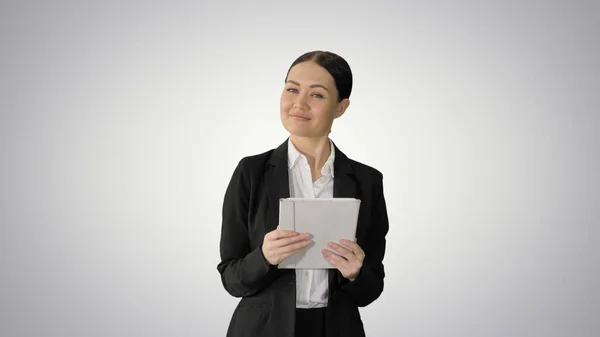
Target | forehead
(310,73)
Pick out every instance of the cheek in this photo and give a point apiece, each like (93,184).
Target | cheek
(284,108)
(321,109)
(285,102)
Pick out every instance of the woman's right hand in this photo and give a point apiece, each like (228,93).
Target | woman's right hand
(280,244)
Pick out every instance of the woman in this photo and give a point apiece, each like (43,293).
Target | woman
(286,302)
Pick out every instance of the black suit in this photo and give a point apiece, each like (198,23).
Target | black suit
(268,294)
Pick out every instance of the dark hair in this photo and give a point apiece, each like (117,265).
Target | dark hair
(335,65)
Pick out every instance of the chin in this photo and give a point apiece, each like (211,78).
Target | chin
(298,131)
(303,131)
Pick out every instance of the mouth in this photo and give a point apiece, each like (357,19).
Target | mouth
(299,117)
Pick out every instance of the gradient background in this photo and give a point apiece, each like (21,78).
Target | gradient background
(121,124)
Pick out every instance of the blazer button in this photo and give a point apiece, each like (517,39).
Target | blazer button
(291,282)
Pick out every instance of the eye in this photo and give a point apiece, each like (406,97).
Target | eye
(292,90)
(317,95)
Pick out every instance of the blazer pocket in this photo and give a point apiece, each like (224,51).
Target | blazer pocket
(251,319)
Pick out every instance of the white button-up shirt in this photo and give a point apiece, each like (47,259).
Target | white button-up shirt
(312,288)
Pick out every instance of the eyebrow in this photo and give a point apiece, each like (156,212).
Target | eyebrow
(312,85)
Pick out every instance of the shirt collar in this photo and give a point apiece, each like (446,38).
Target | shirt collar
(294,156)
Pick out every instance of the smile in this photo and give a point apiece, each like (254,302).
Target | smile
(299,118)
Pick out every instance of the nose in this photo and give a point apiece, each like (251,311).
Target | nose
(300,101)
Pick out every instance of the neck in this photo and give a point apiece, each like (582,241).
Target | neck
(315,149)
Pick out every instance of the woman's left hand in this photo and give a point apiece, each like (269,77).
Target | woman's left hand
(349,258)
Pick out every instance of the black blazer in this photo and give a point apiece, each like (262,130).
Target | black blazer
(268,294)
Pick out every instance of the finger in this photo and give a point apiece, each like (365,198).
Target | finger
(290,240)
(291,247)
(336,260)
(345,267)
(353,246)
(341,250)
(281,233)
(288,254)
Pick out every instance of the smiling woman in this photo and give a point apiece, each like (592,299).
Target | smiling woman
(308,302)
(311,94)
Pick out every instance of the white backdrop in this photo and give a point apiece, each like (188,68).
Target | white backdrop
(121,123)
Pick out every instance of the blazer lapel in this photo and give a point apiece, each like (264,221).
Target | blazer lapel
(277,183)
(344,186)
(344,182)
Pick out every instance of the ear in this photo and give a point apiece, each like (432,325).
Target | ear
(341,107)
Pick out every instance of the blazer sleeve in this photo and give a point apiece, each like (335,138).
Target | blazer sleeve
(244,271)
(368,285)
